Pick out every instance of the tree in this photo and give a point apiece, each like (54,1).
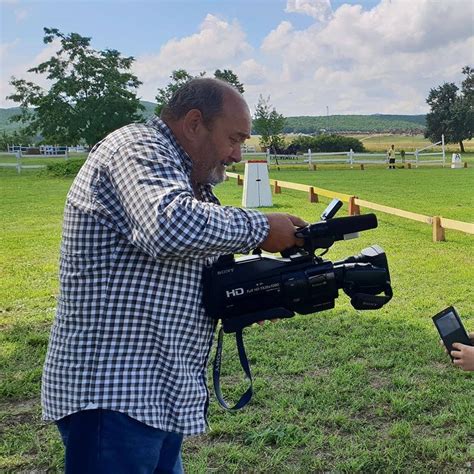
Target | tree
(91,93)
(179,77)
(452,111)
(230,77)
(17,137)
(268,123)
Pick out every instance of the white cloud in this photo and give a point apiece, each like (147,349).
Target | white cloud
(217,44)
(384,59)
(278,38)
(19,70)
(318,9)
(250,72)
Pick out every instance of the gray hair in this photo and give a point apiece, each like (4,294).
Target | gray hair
(204,94)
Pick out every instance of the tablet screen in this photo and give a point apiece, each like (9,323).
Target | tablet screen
(448,323)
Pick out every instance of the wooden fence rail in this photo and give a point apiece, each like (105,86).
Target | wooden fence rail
(439,224)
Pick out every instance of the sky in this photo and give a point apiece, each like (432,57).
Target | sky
(310,57)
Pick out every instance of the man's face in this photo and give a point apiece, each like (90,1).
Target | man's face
(220,145)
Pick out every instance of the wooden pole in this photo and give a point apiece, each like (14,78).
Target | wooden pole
(277,189)
(240,181)
(313,197)
(438,231)
(354,209)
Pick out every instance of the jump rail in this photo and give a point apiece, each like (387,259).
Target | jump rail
(439,224)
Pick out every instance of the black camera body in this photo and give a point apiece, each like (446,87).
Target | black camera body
(242,291)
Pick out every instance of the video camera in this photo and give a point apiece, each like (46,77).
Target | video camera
(254,288)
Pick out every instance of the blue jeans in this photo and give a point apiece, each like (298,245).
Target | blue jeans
(106,441)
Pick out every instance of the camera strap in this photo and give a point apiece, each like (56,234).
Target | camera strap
(216,375)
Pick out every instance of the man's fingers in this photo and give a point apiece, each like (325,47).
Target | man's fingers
(297,221)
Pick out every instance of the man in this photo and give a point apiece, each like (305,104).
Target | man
(391,157)
(125,373)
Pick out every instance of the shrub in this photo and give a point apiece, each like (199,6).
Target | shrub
(325,143)
(65,168)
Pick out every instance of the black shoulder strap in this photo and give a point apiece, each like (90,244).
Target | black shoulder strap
(245,398)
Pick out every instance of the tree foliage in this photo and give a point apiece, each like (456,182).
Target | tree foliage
(324,143)
(268,123)
(92,92)
(451,111)
(15,137)
(230,77)
(179,77)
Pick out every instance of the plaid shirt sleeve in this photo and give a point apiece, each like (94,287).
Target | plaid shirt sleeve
(152,197)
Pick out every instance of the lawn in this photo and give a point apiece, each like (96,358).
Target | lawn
(337,391)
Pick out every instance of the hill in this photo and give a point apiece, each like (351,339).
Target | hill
(356,123)
(5,116)
(377,123)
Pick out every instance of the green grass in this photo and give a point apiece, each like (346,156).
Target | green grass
(337,391)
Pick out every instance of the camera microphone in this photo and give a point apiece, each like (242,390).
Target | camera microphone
(338,227)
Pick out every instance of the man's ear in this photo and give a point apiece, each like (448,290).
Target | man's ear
(192,124)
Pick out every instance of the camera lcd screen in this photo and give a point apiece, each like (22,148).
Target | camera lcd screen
(448,323)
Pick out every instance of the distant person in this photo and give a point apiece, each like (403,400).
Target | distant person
(391,157)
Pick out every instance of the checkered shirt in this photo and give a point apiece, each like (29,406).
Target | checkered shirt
(130,332)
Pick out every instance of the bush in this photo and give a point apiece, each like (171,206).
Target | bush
(325,143)
(65,168)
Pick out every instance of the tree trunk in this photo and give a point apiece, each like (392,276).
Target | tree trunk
(461,146)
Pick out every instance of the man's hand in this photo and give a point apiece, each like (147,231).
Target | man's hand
(282,232)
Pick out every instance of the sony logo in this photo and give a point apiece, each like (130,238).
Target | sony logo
(222,272)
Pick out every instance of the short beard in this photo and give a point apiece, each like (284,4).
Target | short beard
(216,177)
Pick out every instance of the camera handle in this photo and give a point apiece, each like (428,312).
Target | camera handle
(216,373)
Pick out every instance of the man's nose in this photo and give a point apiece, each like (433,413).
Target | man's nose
(237,154)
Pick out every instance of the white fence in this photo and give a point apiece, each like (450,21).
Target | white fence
(420,157)
(38,151)
(23,152)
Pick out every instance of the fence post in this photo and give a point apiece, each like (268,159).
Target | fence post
(240,181)
(351,157)
(416,158)
(362,166)
(444,154)
(277,188)
(354,209)
(268,156)
(438,231)
(18,161)
(313,197)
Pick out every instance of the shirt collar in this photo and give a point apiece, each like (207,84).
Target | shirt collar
(156,122)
